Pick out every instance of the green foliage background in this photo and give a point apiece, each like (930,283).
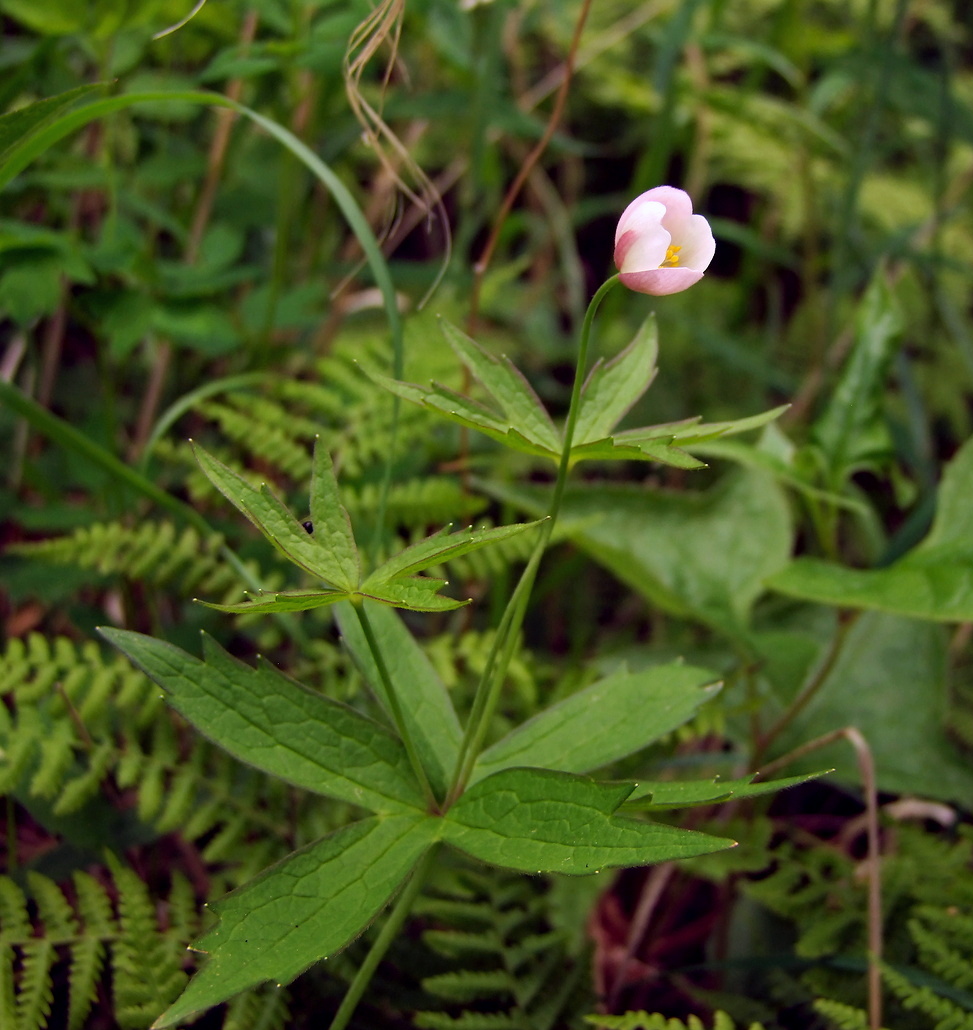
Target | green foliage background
(170,271)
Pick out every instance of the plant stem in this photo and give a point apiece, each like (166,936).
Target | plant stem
(505,642)
(392,700)
(387,934)
(866,767)
(762,744)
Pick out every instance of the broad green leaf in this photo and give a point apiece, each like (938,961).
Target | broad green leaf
(852,432)
(783,470)
(538,820)
(282,601)
(17,126)
(953,524)
(613,387)
(426,705)
(891,682)
(615,717)
(277,524)
(418,594)
(649,796)
(934,584)
(933,581)
(698,555)
(439,548)
(332,526)
(305,908)
(508,388)
(273,723)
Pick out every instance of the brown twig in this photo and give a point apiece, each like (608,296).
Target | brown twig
(481,266)
(824,670)
(225,119)
(655,884)
(866,768)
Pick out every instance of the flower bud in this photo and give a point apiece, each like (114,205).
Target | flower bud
(661,247)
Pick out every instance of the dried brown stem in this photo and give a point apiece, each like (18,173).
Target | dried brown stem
(481,266)
(225,118)
(866,768)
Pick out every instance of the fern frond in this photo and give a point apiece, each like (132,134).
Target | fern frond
(946,946)
(843,1017)
(506,966)
(153,552)
(264,1008)
(78,929)
(657,1021)
(147,969)
(267,432)
(947,1014)
(55,743)
(470,984)
(37,957)
(87,962)
(469,1021)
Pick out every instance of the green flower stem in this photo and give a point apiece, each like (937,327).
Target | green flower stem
(396,708)
(505,642)
(387,934)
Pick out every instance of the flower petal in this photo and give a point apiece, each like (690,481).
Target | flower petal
(660,282)
(697,243)
(679,208)
(637,250)
(640,216)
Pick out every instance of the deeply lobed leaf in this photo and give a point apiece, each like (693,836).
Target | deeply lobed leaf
(269,721)
(537,820)
(612,718)
(305,908)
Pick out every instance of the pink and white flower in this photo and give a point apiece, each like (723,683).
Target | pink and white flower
(661,247)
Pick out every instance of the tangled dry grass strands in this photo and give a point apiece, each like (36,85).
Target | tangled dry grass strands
(560,100)
(383,27)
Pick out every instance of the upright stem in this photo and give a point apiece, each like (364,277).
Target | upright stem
(504,644)
(387,934)
(392,701)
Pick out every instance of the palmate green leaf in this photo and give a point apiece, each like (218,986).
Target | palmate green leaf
(439,548)
(282,601)
(649,796)
(933,581)
(279,526)
(424,700)
(508,388)
(305,908)
(538,820)
(613,718)
(701,555)
(271,722)
(613,387)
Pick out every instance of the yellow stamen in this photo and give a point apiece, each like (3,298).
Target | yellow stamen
(672,257)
